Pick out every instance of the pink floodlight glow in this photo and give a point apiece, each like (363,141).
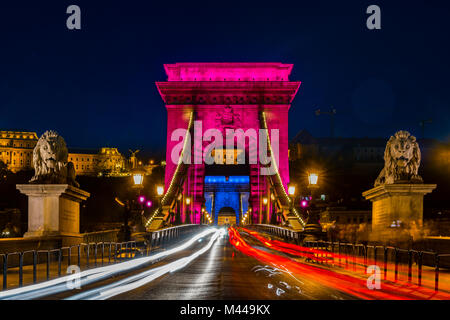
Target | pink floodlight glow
(141,199)
(149,203)
(246,71)
(211,90)
(304,203)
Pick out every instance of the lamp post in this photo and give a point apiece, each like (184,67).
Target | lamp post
(245,218)
(203,215)
(264,210)
(312,227)
(138,184)
(291,192)
(160,192)
(188,210)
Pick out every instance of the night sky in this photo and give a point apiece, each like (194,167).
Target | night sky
(96,85)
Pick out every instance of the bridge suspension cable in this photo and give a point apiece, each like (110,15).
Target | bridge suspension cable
(276,179)
(179,173)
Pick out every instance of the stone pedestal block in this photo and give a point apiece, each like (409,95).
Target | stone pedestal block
(396,204)
(53,209)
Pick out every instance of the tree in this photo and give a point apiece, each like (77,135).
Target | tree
(3,170)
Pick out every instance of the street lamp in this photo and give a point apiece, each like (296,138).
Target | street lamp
(203,215)
(188,210)
(313,228)
(265,200)
(291,190)
(138,179)
(313,178)
(160,190)
(138,183)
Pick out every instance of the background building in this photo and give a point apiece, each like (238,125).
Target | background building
(357,150)
(84,161)
(16,149)
(110,161)
(348,166)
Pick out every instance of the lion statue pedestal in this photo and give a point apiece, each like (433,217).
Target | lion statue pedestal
(396,206)
(397,198)
(53,209)
(53,194)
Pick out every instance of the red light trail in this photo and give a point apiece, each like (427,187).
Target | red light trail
(354,285)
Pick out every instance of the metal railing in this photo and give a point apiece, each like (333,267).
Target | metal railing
(101,236)
(281,232)
(347,253)
(32,266)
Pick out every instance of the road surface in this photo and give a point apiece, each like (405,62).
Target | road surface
(213,266)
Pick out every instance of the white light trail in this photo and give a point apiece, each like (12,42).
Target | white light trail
(92,275)
(143,278)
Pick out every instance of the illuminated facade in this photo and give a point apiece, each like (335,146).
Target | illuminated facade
(247,96)
(16,149)
(92,162)
(84,161)
(110,160)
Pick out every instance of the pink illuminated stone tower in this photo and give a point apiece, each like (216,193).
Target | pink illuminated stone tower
(227,95)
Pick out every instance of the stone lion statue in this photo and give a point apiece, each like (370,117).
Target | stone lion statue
(50,161)
(401,160)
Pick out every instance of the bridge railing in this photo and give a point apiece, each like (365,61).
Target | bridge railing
(395,263)
(281,232)
(403,264)
(101,236)
(33,266)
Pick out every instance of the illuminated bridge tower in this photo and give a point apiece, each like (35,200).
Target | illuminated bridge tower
(226,96)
